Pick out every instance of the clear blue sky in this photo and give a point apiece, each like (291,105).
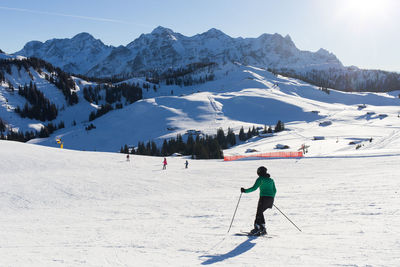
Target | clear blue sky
(364,33)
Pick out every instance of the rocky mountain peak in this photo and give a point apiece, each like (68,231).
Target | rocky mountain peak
(161,31)
(288,38)
(213,32)
(163,48)
(83,36)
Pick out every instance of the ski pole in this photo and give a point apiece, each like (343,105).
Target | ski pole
(287,217)
(235,211)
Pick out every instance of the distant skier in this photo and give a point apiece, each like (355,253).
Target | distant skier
(127,157)
(164,164)
(186,164)
(266,200)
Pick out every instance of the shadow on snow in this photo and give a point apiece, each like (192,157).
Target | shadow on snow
(240,249)
(263,110)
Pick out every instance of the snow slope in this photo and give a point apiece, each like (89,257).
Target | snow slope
(69,208)
(10,99)
(247,96)
(238,96)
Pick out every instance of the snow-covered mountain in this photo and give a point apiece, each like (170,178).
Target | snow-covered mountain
(164,48)
(237,96)
(62,207)
(75,55)
(102,204)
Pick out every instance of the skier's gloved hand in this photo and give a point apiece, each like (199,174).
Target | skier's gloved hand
(242,190)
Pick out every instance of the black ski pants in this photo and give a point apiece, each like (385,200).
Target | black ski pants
(264,203)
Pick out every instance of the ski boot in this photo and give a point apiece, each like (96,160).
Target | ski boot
(256,229)
(262,231)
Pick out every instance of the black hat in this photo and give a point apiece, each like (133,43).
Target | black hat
(262,171)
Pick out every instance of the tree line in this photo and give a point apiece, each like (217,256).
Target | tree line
(348,79)
(183,76)
(199,146)
(45,131)
(41,108)
(100,112)
(112,79)
(59,78)
(113,93)
(66,84)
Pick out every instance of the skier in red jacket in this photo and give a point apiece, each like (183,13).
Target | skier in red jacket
(164,164)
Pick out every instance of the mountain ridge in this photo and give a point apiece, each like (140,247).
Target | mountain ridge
(163,48)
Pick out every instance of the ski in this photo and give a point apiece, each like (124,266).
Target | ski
(243,233)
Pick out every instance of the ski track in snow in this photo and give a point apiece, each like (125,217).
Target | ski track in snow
(70,208)
(239,96)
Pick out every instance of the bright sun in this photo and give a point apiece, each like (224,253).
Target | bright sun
(364,8)
(363,13)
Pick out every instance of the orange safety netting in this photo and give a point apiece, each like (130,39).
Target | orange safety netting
(267,155)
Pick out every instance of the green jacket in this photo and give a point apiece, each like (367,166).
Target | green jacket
(267,187)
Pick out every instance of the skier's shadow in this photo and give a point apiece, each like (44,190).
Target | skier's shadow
(240,249)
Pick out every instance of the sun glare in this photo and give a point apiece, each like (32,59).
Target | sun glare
(364,8)
(364,12)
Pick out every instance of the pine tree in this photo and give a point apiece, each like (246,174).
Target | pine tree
(221,138)
(254,131)
(61,125)
(141,150)
(189,145)
(249,134)
(265,129)
(164,148)
(180,145)
(231,138)
(148,148)
(44,132)
(214,149)
(279,126)
(2,126)
(154,149)
(242,135)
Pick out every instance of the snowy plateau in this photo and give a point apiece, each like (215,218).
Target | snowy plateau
(86,205)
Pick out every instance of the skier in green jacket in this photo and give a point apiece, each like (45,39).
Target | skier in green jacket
(266,201)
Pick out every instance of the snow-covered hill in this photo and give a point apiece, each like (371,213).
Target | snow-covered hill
(238,96)
(22,72)
(163,48)
(248,96)
(61,207)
